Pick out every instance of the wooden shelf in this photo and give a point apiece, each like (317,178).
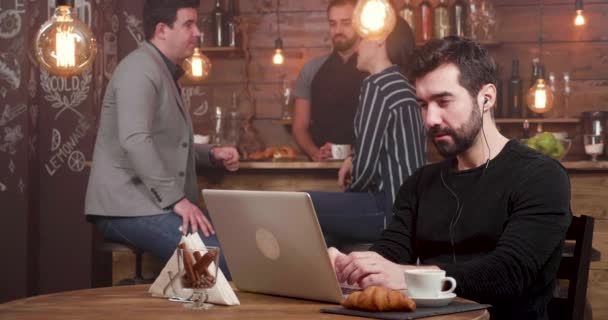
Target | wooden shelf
(586,165)
(538,120)
(486,44)
(223,51)
(293,165)
(285,122)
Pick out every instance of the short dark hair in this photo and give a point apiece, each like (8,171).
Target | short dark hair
(335,3)
(163,11)
(400,45)
(476,66)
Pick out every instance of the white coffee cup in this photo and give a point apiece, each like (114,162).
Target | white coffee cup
(427,283)
(200,139)
(340,151)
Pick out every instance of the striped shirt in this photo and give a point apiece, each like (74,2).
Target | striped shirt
(390,140)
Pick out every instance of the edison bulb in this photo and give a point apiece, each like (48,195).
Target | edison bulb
(64,45)
(374,19)
(198,66)
(580,18)
(540,97)
(278,57)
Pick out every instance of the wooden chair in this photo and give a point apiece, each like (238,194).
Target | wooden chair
(574,268)
(138,278)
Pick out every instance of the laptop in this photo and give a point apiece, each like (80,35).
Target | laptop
(273,244)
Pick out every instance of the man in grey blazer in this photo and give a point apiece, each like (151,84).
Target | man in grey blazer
(143,184)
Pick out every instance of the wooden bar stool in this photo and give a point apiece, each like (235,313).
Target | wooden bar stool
(138,278)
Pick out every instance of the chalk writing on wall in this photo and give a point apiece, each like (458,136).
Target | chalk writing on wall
(66,93)
(12,136)
(10,73)
(135,27)
(55,140)
(64,152)
(76,161)
(195,98)
(11,112)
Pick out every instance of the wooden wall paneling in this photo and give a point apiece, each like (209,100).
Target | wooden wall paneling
(307,28)
(585,60)
(521,23)
(600,242)
(597,287)
(267,6)
(589,194)
(597,293)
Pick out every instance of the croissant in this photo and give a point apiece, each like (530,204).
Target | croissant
(377,298)
(259,155)
(284,153)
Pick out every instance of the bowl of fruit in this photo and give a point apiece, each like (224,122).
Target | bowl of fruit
(548,144)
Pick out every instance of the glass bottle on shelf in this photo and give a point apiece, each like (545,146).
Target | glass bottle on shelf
(515,97)
(525,111)
(426,21)
(286,101)
(217,24)
(407,13)
(233,126)
(232,32)
(488,27)
(482,20)
(473,19)
(526,134)
(557,110)
(217,137)
(458,18)
(441,20)
(566,94)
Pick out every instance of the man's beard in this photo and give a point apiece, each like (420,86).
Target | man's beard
(345,45)
(463,137)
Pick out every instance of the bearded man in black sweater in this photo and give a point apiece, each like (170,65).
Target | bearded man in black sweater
(493,214)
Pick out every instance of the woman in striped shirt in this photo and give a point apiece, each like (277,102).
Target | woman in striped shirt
(390,144)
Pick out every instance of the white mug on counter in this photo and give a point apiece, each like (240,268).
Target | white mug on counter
(340,151)
(427,283)
(200,139)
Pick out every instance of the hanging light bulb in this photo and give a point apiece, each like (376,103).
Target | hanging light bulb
(540,97)
(580,19)
(374,19)
(278,57)
(64,45)
(198,66)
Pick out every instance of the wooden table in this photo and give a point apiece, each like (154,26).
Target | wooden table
(133,302)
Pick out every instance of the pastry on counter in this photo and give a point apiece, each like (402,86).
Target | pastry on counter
(274,153)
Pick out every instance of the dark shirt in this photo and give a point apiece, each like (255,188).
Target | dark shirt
(175,70)
(334,100)
(507,238)
(390,140)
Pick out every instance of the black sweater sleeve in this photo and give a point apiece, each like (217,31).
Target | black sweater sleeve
(535,230)
(396,242)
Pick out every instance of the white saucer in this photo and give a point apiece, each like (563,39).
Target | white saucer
(442,300)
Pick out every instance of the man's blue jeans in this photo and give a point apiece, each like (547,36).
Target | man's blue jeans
(348,218)
(158,235)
